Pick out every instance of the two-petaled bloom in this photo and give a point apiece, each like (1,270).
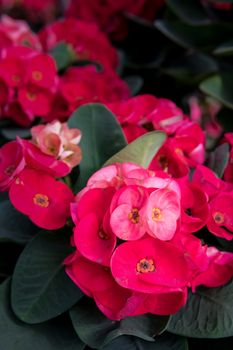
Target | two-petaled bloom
(135,252)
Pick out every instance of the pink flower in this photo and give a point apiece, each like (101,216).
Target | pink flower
(85,38)
(38,160)
(126,218)
(57,140)
(162,212)
(194,207)
(11,163)
(143,266)
(45,200)
(221,215)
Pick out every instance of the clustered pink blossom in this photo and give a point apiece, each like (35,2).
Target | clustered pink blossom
(30,170)
(136,249)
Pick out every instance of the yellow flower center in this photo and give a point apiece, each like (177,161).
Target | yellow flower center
(134,216)
(37,75)
(145,266)
(218,218)
(156,214)
(41,199)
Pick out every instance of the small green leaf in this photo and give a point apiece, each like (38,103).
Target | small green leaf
(41,289)
(135,83)
(141,151)
(208,313)
(166,341)
(189,11)
(220,87)
(218,159)
(14,226)
(16,335)
(64,55)
(96,330)
(225,49)
(10,134)
(102,137)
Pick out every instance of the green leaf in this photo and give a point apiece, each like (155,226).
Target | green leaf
(64,55)
(135,83)
(15,226)
(220,87)
(166,341)
(218,159)
(205,37)
(192,68)
(141,151)
(225,49)
(96,330)
(102,137)
(16,335)
(10,134)
(224,117)
(189,11)
(208,313)
(41,289)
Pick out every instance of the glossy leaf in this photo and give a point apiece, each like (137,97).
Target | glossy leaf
(135,83)
(189,11)
(16,335)
(96,330)
(218,159)
(102,137)
(141,151)
(220,87)
(41,290)
(63,55)
(15,226)
(166,341)
(225,49)
(208,313)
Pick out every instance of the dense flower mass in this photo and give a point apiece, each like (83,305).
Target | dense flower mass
(128,221)
(28,170)
(86,40)
(110,14)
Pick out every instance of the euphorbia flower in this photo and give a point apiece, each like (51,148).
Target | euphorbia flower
(162,212)
(42,198)
(194,207)
(36,100)
(221,215)
(144,266)
(126,218)
(12,163)
(41,71)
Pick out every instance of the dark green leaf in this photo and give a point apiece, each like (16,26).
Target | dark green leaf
(135,83)
(15,226)
(64,55)
(192,68)
(220,87)
(225,49)
(96,330)
(206,37)
(102,137)
(141,151)
(166,341)
(208,313)
(218,159)
(16,335)
(11,133)
(41,289)
(224,117)
(189,11)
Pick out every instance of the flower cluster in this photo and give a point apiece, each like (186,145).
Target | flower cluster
(110,14)
(29,171)
(185,146)
(136,251)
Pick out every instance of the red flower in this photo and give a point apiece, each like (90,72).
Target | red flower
(11,163)
(45,200)
(86,40)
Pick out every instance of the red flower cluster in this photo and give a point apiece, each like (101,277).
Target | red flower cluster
(109,14)
(185,146)
(135,244)
(86,40)
(28,170)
